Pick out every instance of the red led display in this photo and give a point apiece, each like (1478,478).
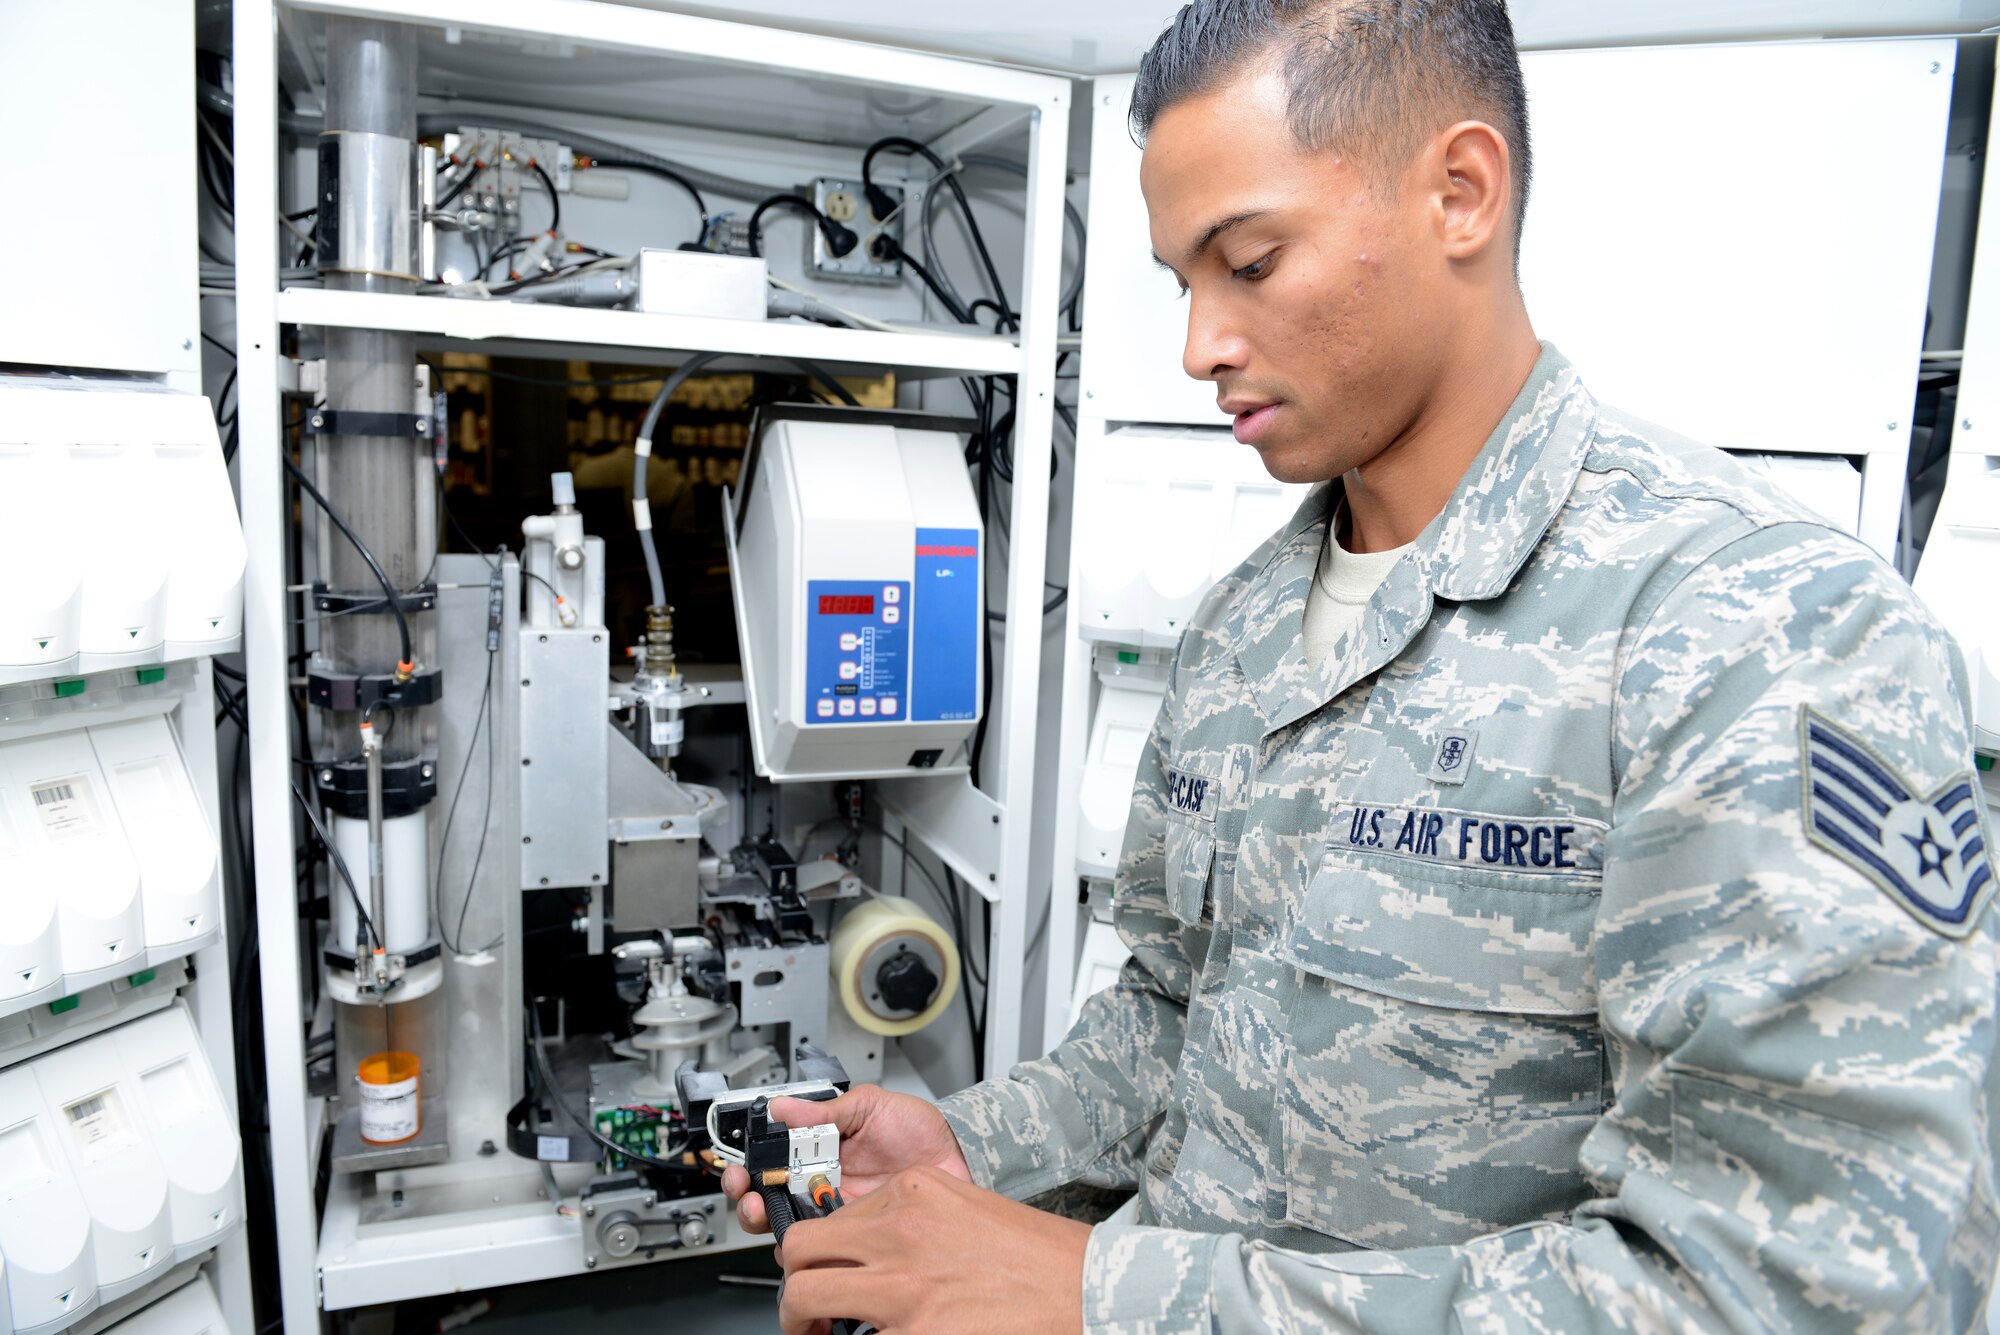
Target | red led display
(846,605)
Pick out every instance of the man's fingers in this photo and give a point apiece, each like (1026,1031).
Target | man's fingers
(750,1213)
(813,1298)
(735,1181)
(847,1112)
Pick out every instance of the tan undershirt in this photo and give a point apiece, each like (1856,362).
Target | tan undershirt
(1341,588)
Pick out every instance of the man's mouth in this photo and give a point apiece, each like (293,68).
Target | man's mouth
(1253,421)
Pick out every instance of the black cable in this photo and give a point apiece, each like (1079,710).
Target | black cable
(890,248)
(840,240)
(340,864)
(548,1083)
(821,375)
(555,204)
(652,169)
(485,823)
(388,589)
(882,205)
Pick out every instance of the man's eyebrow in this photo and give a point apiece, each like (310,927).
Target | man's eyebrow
(1214,234)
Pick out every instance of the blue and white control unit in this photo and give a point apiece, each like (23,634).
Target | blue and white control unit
(854,557)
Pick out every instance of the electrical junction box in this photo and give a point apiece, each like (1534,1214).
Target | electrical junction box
(844,203)
(698,282)
(855,550)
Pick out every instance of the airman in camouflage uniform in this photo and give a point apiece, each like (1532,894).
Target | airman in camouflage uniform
(1595,941)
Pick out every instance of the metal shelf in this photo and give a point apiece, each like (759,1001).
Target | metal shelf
(502,321)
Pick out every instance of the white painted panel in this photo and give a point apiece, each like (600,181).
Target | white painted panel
(102,76)
(1736,241)
(1135,320)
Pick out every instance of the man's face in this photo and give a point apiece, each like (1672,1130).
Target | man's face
(1311,298)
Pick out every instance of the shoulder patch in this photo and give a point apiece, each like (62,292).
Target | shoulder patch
(1928,852)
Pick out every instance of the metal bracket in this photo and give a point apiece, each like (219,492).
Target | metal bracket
(407,786)
(340,691)
(350,422)
(420,599)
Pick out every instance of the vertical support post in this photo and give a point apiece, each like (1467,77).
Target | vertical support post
(293,1150)
(1072,753)
(1048,159)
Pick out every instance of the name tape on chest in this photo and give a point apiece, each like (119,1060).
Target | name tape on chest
(1545,846)
(1195,796)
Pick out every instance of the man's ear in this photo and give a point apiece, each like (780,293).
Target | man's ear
(1471,176)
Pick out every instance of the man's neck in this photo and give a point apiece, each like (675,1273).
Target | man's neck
(1392,497)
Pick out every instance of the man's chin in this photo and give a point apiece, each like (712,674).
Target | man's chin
(1286,462)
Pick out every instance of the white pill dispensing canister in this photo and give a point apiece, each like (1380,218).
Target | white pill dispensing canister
(873,935)
(390,1109)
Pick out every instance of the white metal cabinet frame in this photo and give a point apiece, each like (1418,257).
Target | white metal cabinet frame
(985,839)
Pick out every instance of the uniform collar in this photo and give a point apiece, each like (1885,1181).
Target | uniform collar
(1471,551)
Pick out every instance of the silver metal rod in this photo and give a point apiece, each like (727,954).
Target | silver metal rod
(378,903)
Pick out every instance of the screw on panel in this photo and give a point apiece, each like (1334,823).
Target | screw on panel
(589,1210)
(590,1263)
(1966,424)
(527,838)
(1894,425)
(326,776)
(545,880)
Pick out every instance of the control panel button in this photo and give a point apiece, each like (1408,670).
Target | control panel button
(867,706)
(849,670)
(825,708)
(849,642)
(888,704)
(847,708)
(891,615)
(891,594)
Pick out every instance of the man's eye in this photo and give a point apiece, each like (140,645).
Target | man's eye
(1254,270)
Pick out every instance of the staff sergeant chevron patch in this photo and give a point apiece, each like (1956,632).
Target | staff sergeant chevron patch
(1929,853)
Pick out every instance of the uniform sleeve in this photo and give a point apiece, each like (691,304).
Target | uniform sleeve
(1085,1112)
(1799,1015)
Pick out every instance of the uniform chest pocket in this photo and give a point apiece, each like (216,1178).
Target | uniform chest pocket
(1445,1063)
(1190,858)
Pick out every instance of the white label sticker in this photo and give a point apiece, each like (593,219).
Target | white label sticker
(555,1149)
(98,1125)
(67,808)
(389,1112)
(666,732)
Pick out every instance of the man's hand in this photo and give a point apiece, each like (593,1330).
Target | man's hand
(931,1254)
(881,1134)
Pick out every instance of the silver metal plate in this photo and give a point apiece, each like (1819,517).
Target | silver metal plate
(564,783)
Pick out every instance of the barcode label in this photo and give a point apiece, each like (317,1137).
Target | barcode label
(66,807)
(98,1126)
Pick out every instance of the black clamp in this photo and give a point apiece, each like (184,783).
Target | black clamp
(420,599)
(407,786)
(352,422)
(409,959)
(380,690)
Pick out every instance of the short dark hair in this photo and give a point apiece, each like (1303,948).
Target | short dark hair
(1374,78)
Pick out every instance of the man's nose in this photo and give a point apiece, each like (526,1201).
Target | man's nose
(1215,346)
